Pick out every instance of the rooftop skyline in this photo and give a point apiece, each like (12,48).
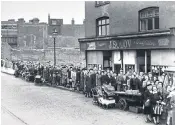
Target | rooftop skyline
(57,9)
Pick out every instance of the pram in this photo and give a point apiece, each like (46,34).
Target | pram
(104,96)
(17,73)
(30,77)
(38,80)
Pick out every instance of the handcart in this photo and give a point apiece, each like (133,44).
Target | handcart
(128,98)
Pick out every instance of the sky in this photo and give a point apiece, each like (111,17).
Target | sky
(65,10)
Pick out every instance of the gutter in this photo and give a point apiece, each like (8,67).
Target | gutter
(167,32)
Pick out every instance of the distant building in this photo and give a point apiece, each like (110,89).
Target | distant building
(32,35)
(33,40)
(67,46)
(9,32)
(74,30)
(5,51)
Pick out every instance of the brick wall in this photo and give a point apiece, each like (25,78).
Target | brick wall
(73,30)
(5,51)
(28,55)
(123,15)
(65,56)
(32,36)
(64,41)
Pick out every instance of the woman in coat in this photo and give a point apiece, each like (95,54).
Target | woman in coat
(147,102)
(98,79)
(88,85)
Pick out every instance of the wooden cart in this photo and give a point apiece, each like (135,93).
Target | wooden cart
(124,99)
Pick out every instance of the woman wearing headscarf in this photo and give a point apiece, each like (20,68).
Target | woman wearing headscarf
(147,102)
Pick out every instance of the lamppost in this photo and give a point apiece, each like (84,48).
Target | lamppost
(54,36)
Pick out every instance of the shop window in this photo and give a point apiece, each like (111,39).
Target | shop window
(103,26)
(101,3)
(97,66)
(129,68)
(149,19)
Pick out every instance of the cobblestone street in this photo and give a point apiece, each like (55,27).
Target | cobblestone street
(41,105)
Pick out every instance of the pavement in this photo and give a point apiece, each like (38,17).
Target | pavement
(23,103)
(9,71)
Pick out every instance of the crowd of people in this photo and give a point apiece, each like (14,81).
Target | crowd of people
(155,90)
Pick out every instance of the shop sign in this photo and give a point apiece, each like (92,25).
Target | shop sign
(91,46)
(117,44)
(163,42)
(132,43)
(142,43)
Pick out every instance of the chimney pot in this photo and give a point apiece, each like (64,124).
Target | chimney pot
(73,21)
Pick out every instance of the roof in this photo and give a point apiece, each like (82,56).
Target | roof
(8,22)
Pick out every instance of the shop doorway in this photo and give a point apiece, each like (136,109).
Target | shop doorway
(107,57)
(117,68)
(141,60)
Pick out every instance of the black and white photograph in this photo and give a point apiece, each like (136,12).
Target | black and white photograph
(87,62)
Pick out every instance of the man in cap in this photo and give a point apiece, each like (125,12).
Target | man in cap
(120,81)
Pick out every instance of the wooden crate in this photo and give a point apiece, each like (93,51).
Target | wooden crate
(135,109)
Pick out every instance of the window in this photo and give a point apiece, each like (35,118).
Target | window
(101,3)
(103,26)
(54,22)
(149,19)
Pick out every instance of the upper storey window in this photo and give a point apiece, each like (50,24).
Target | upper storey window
(149,19)
(101,3)
(54,22)
(102,26)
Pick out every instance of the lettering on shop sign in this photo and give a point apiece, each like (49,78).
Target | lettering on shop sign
(91,46)
(116,44)
(144,43)
(163,42)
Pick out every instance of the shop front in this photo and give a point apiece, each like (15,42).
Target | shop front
(140,53)
(162,60)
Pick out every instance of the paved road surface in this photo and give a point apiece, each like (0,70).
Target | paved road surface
(24,103)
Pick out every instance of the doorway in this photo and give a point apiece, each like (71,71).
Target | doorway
(141,60)
(107,57)
(117,68)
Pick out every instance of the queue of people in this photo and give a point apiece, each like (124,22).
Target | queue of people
(156,90)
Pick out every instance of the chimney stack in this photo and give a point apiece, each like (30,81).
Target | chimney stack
(84,22)
(35,20)
(73,21)
(11,20)
(49,18)
(21,21)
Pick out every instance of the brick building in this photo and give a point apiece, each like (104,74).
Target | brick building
(74,30)
(129,35)
(33,40)
(67,46)
(9,32)
(5,51)
(32,35)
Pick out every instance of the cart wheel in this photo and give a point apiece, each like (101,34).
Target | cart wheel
(100,104)
(122,104)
